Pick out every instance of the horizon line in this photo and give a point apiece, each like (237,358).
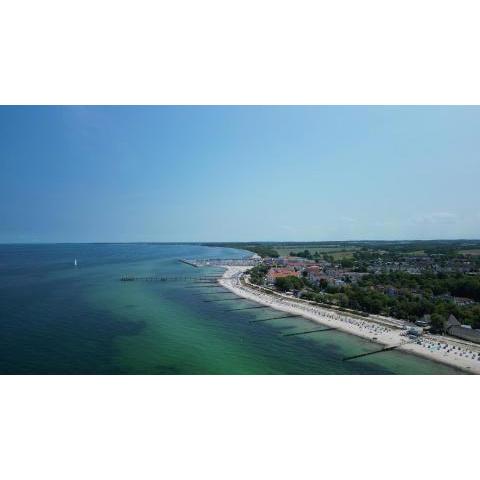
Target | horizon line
(146,242)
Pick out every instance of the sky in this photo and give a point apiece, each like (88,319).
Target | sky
(197,174)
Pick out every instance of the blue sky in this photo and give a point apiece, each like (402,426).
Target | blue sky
(238,173)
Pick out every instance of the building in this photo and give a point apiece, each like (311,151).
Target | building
(391,291)
(425,321)
(454,328)
(355,277)
(413,332)
(313,272)
(298,263)
(444,296)
(275,273)
(316,278)
(462,301)
(275,261)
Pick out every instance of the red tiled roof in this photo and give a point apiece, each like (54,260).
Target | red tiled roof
(282,272)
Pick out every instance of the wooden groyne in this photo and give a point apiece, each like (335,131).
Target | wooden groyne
(225,300)
(273,318)
(246,308)
(189,262)
(215,285)
(386,349)
(213,293)
(309,331)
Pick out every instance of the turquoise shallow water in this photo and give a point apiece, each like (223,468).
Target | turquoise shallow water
(58,319)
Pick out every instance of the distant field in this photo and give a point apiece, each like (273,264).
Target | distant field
(341,254)
(336,251)
(473,251)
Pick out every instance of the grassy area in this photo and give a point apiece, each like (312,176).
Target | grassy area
(473,251)
(342,254)
(262,249)
(339,250)
(336,250)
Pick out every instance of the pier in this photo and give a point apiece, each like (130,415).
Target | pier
(202,279)
(221,262)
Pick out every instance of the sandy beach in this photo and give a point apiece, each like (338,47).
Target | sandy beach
(441,349)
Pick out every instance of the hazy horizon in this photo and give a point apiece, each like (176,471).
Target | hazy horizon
(246,242)
(183,174)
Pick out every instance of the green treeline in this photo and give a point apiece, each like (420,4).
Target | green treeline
(284,284)
(428,284)
(257,274)
(316,256)
(399,295)
(261,249)
(406,296)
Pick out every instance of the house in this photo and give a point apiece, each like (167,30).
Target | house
(454,328)
(275,273)
(444,296)
(323,263)
(335,273)
(313,273)
(298,263)
(451,322)
(275,261)
(355,276)
(462,301)
(391,291)
(316,278)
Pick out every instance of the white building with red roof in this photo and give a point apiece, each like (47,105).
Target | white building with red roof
(275,273)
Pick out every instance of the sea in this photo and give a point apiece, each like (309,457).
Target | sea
(58,318)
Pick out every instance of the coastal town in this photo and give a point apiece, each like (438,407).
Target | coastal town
(435,291)
(427,302)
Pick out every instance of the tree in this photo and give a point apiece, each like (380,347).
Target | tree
(437,323)
(257,274)
(288,283)
(343,300)
(346,262)
(323,283)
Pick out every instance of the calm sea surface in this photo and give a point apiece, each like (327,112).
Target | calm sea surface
(59,319)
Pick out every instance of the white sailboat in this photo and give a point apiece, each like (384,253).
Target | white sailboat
(75,262)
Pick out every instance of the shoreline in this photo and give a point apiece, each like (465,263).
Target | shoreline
(438,349)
